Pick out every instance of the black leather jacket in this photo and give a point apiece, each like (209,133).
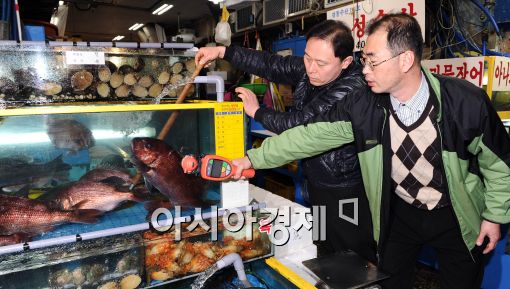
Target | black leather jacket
(335,168)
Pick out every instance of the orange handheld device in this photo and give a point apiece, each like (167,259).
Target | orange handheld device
(213,168)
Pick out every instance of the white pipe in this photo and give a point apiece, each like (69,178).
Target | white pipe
(11,249)
(52,242)
(60,43)
(149,44)
(101,44)
(127,44)
(176,45)
(16,6)
(213,79)
(114,231)
(234,259)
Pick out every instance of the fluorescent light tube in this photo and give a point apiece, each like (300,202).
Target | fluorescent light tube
(133,26)
(159,9)
(99,134)
(165,9)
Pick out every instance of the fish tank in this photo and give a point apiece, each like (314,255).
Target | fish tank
(90,161)
(36,73)
(79,168)
(114,262)
(144,259)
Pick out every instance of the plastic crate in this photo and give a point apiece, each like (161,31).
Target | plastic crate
(34,33)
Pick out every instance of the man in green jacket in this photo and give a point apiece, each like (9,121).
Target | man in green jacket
(434,156)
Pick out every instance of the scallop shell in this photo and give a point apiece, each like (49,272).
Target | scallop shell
(146,81)
(130,79)
(130,281)
(51,88)
(116,80)
(109,285)
(190,65)
(177,67)
(104,74)
(122,91)
(155,90)
(176,78)
(81,80)
(140,91)
(103,89)
(161,275)
(163,77)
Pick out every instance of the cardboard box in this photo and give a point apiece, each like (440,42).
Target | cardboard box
(279,186)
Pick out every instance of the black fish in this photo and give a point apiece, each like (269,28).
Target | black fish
(19,173)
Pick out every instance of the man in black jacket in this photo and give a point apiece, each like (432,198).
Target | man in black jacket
(325,75)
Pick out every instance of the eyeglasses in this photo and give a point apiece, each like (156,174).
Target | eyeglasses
(371,65)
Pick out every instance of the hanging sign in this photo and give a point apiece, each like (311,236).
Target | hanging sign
(468,68)
(358,15)
(500,79)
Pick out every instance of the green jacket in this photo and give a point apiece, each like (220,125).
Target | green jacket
(475,151)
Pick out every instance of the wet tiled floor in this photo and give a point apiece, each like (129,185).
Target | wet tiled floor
(426,278)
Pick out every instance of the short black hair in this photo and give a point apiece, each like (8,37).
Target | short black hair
(404,33)
(337,33)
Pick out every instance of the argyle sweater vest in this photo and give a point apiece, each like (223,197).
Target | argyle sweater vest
(416,170)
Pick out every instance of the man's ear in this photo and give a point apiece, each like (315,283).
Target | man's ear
(346,62)
(406,61)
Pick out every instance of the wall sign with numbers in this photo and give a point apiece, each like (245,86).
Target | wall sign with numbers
(468,68)
(358,15)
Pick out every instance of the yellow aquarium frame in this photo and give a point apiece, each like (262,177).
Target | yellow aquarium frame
(490,60)
(290,275)
(228,118)
(103,107)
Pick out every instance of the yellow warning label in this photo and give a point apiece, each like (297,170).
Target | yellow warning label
(229,129)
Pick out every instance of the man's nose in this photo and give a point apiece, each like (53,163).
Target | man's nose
(366,69)
(313,66)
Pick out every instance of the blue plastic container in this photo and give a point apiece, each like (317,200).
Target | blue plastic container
(34,33)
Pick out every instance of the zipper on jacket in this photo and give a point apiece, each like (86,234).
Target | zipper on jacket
(439,119)
(448,192)
(379,245)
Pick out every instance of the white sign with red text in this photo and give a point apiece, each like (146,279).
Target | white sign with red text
(468,68)
(500,77)
(358,15)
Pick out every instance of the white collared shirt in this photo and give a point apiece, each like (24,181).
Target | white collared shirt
(410,111)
